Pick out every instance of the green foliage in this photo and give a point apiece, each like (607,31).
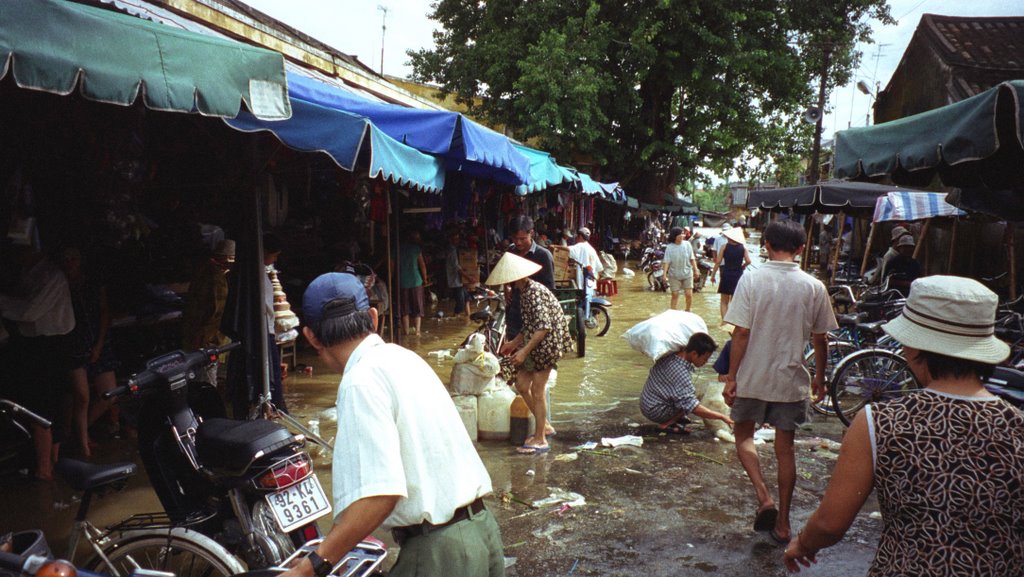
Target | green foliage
(714,199)
(660,91)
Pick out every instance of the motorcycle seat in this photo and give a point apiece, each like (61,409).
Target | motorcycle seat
(232,445)
(84,476)
(480,316)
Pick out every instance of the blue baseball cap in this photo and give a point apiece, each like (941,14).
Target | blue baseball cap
(333,294)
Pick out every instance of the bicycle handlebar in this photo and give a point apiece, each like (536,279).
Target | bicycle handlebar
(20,410)
(177,363)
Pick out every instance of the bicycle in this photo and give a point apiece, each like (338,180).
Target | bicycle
(141,541)
(868,376)
(492,324)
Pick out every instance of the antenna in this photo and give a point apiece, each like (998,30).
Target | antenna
(383,29)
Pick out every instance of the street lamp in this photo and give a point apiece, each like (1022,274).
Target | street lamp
(866,89)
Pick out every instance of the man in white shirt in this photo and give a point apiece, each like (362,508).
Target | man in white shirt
(402,458)
(582,252)
(775,309)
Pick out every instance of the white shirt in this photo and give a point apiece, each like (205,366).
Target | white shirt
(679,259)
(400,434)
(782,306)
(582,252)
(47,310)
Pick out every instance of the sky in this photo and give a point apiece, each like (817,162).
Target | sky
(354,27)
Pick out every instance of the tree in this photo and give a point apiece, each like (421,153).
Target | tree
(657,91)
(714,199)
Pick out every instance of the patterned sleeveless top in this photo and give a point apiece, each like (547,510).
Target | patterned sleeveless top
(949,475)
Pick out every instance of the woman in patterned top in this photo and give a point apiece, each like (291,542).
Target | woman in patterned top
(947,462)
(545,336)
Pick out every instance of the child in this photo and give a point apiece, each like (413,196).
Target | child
(668,394)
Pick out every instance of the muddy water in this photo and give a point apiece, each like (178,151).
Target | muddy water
(676,505)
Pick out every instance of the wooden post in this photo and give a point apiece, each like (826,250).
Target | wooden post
(1011,254)
(839,248)
(924,235)
(952,246)
(807,245)
(867,249)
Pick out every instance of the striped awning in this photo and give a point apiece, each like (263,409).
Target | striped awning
(913,206)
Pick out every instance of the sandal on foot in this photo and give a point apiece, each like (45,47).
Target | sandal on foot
(765,519)
(533,449)
(674,430)
(778,538)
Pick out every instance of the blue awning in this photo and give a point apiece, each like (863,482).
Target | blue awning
(632,202)
(544,173)
(589,185)
(464,145)
(343,136)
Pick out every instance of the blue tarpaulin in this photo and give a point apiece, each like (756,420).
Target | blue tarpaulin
(464,145)
(342,135)
(913,206)
(544,173)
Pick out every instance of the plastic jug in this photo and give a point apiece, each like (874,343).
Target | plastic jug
(467,407)
(494,412)
(519,421)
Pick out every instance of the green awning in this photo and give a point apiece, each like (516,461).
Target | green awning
(56,46)
(975,142)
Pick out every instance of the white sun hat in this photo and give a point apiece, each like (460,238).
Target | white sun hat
(952,316)
(905,240)
(511,268)
(735,234)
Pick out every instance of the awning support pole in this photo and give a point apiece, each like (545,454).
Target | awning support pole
(1011,254)
(839,248)
(924,235)
(807,245)
(952,246)
(867,249)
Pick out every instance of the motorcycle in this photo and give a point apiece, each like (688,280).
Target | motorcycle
(650,264)
(596,319)
(249,485)
(700,276)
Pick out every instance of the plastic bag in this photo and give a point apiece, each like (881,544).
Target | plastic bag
(664,333)
(468,379)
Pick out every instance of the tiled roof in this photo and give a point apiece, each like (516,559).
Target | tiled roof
(982,51)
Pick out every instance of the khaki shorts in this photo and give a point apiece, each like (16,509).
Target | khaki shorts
(680,284)
(782,416)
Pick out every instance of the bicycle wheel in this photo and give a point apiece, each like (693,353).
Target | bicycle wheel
(599,321)
(182,552)
(837,350)
(868,376)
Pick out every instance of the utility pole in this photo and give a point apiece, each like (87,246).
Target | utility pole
(816,150)
(383,29)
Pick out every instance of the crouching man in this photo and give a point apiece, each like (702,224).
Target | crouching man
(402,458)
(669,395)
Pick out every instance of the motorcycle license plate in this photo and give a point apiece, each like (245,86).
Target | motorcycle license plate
(299,504)
(658,273)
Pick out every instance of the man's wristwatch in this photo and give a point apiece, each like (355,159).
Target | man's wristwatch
(321,567)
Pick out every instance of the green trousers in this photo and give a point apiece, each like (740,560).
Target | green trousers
(470,548)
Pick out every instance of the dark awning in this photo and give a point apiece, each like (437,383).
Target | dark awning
(977,142)
(56,46)
(824,197)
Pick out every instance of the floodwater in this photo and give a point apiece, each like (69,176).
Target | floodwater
(678,505)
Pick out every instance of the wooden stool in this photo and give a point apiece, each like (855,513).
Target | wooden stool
(607,287)
(288,350)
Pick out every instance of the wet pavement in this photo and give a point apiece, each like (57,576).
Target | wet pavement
(677,505)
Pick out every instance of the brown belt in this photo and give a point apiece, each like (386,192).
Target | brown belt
(403,534)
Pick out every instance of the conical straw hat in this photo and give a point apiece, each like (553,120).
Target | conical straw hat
(510,269)
(735,234)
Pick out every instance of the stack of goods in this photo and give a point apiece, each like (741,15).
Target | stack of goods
(285,322)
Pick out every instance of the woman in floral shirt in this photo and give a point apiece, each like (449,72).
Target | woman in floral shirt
(545,336)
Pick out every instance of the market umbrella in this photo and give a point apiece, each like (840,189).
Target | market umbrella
(826,197)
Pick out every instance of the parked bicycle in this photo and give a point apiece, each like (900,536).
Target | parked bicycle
(491,319)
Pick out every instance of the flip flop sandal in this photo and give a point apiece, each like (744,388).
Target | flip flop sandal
(765,519)
(533,449)
(778,538)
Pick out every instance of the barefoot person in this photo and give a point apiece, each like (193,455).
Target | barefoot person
(668,394)
(543,339)
(775,309)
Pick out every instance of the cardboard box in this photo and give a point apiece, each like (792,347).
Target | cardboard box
(470,265)
(561,256)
